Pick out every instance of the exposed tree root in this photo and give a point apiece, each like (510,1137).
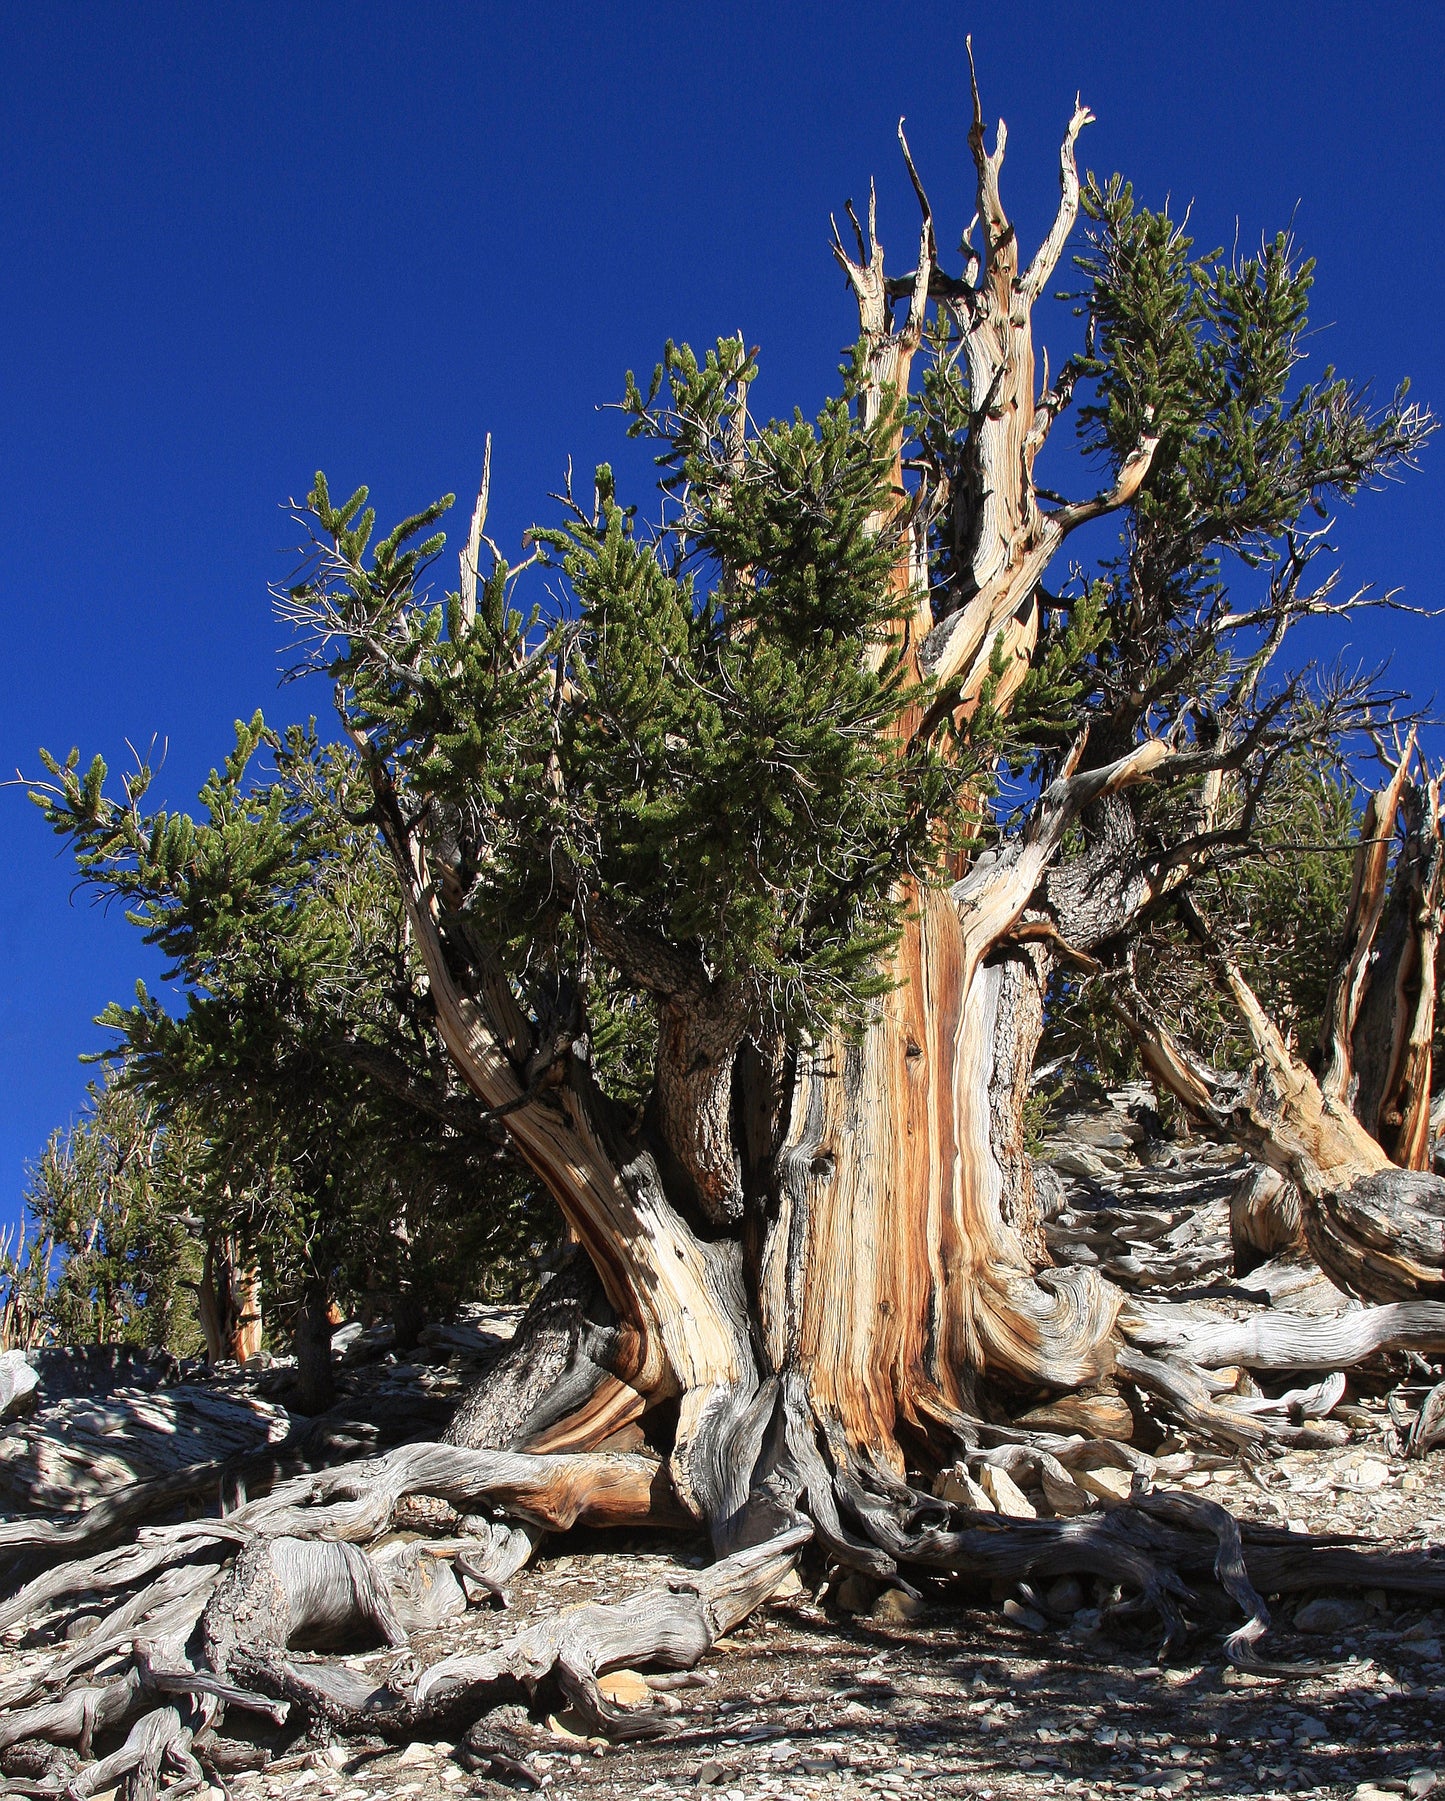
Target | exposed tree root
(155,1740)
(1287,1341)
(76,1717)
(297,1576)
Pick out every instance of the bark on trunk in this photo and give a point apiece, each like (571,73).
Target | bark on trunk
(554,1388)
(229,1303)
(315,1384)
(903,1258)
(828,1244)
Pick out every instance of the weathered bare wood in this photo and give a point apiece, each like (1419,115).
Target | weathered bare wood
(672,1628)
(138,1501)
(1366,909)
(1264,1218)
(1278,1340)
(1429,1428)
(555,1491)
(76,1717)
(229,1299)
(285,1591)
(165,1678)
(103,1574)
(1375,1229)
(1394,1029)
(157,1738)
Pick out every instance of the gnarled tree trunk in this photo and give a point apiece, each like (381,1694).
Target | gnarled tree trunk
(1379,1027)
(814,1252)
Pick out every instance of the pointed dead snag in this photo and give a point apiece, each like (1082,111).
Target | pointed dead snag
(1375,1229)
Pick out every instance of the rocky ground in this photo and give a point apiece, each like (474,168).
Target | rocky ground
(834,1689)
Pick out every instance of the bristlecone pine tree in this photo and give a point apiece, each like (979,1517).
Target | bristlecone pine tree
(795,798)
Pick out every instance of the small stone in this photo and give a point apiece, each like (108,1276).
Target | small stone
(1065,1596)
(18,1384)
(894,1607)
(418,1751)
(624,1688)
(1024,1616)
(1329,1613)
(1005,1493)
(856,1593)
(791,1584)
(1107,1483)
(1420,1783)
(958,1486)
(711,1774)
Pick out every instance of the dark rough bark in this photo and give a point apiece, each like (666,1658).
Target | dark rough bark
(566,1348)
(408,1316)
(311,1336)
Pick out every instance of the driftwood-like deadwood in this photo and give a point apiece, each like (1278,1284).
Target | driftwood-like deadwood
(1277,1340)
(1379,1025)
(670,1628)
(1264,1218)
(296,1576)
(1374,1228)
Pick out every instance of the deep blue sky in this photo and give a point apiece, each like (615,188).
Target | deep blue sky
(243,242)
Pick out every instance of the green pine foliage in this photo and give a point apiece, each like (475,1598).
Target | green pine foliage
(689,762)
(675,754)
